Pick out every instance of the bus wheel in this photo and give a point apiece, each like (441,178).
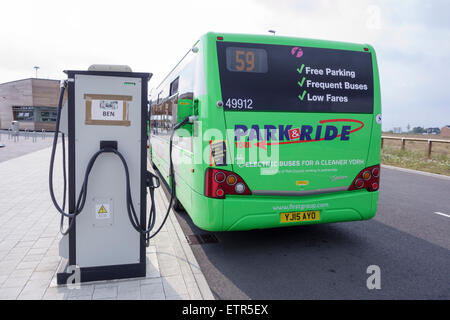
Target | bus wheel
(177,206)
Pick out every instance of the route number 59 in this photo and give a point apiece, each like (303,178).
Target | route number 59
(245,60)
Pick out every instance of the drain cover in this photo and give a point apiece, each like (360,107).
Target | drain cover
(201,239)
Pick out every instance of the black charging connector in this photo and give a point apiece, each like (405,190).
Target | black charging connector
(152,180)
(108,146)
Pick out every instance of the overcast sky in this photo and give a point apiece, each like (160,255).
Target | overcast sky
(411,38)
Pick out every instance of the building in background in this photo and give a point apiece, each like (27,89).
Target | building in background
(445,131)
(32,102)
(397,130)
(432,130)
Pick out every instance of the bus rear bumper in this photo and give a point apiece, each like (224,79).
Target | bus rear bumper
(260,212)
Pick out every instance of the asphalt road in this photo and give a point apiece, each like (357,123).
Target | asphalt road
(407,240)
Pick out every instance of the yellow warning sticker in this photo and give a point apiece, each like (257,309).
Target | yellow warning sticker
(102,210)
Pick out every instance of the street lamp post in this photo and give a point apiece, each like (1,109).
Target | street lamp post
(37,68)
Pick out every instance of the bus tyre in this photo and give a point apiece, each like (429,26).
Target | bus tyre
(177,206)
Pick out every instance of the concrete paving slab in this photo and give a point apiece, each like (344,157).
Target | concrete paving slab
(29,237)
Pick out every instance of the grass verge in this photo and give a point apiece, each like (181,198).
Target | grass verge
(438,163)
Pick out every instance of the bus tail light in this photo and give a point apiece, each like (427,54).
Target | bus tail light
(219,183)
(369,179)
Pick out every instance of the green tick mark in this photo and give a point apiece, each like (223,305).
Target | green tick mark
(302,96)
(302,82)
(301,69)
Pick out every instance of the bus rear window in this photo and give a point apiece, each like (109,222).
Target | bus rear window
(261,77)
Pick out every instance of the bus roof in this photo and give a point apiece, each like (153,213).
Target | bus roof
(271,39)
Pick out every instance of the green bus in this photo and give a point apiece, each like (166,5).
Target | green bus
(288,131)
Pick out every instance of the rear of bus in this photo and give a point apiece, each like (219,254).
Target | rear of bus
(301,121)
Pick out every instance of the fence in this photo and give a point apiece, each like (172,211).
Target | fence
(26,134)
(403,140)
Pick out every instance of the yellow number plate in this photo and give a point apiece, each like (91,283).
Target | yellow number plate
(299,216)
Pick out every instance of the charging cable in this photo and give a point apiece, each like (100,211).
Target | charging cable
(150,181)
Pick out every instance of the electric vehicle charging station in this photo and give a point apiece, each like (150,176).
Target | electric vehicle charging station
(105,119)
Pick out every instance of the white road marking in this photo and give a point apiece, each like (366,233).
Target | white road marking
(443,214)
